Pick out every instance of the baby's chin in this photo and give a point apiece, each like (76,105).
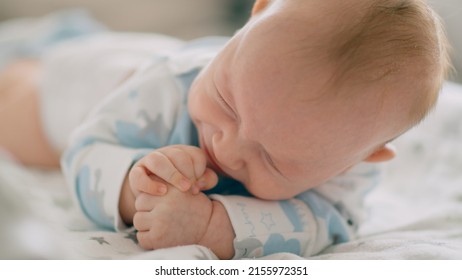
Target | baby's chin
(277,192)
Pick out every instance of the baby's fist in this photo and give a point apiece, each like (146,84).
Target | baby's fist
(182,166)
(177,218)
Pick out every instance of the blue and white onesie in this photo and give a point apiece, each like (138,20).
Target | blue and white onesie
(149,111)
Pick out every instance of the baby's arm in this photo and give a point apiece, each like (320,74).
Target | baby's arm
(143,115)
(304,225)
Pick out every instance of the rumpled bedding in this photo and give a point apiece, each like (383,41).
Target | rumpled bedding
(415,212)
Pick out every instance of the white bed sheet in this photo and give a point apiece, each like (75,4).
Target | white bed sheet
(415,213)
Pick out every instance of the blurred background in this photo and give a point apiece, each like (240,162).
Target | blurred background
(186,19)
(189,19)
(451,13)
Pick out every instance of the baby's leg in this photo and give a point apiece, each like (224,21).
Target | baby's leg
(21,131)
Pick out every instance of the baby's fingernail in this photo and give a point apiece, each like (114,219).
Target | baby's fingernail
(185,184)
(201,184)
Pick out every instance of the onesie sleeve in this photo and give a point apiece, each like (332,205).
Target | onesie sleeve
(132,121)
(304,225)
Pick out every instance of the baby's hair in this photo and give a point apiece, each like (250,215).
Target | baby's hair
(389,38)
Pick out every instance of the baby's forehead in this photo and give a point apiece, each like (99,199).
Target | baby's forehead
(388,51)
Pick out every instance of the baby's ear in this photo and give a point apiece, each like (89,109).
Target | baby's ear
(259,6)
(385,153)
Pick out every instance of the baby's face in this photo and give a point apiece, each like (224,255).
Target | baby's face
(269,120)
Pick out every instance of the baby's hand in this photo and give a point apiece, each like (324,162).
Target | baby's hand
(184,167)
(177,218)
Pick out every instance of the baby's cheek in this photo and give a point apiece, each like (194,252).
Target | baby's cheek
(271,191)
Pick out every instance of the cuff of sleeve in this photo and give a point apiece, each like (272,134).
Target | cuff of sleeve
(117,163)
(120,169)
(98,172)
(265,227)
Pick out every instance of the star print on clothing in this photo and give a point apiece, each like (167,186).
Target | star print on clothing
(267,220)
(100,240)
(132,237)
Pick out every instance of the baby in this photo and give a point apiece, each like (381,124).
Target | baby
(289,108)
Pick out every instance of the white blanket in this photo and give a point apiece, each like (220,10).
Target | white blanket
(416,212)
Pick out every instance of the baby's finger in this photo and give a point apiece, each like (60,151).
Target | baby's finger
(198,158)
(181,159)
(146,240)
(189,160)
(140,181)
(155,187)
(146,202)
(142,221)
(208,180)
(160,165)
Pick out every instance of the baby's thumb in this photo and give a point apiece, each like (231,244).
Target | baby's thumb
(208,180)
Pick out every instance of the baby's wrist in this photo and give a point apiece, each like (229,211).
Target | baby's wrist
(127,203)
(219,236)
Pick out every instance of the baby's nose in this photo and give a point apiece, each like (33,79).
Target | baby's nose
(228,151)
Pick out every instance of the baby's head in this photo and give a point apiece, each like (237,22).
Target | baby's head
(308,89)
